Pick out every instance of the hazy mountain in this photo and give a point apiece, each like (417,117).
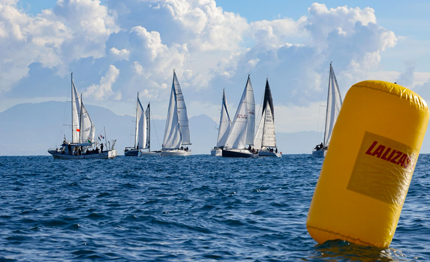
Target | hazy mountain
(30,129)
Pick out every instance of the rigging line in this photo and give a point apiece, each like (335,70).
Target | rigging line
(323,94)
(260,107)
(64,110)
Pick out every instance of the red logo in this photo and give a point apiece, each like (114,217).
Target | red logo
(388,154)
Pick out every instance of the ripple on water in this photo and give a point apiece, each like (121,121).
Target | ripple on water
(198,208)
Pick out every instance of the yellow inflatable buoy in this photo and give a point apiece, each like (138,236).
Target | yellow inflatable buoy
(369,165)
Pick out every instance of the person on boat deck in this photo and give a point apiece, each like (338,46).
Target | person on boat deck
(101,147)
(249,147)
(276,150)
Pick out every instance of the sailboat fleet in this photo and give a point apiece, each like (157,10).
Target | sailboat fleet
(236,138)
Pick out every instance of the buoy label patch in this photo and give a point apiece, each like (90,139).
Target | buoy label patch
(383,169)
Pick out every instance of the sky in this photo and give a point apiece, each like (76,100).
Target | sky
(118,48)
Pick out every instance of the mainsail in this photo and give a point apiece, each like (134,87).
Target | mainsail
(265,136)
(140,136)
(224,123)
(172,131)
(76,109)
(250,107)
(241,130)
(334,103)
(182,111)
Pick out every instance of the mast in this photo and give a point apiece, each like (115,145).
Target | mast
(135,130)
(104,128)
(80,121)
(71,98)
(266,97)
(149,127)
(264,127)
(326,110)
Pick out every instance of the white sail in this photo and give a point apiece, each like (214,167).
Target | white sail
(334,103)
(265,136)
(259,134)
(172,131)
(148,127)
(250,107)
(237,138)
(224,123)
(182,112)
(140,126)
(76,109)
(269,138)
(87,129)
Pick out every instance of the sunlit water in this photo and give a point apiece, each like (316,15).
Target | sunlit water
(199,208)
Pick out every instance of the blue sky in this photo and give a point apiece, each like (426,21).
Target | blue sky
(119,48)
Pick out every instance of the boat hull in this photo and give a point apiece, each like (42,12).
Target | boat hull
(132,153)
(268,153)
(175,152)
(150,153)
(110,154)
(238,153)
(319,153)
(216,152)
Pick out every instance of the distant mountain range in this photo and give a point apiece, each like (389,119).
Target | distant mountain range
(30,129)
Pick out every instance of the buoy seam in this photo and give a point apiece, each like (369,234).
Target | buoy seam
(409,96)
(334,233)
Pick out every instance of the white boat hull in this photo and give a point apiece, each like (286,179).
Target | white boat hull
(268,153)
(175,152)
(216,152)
(150,153)
(110,154)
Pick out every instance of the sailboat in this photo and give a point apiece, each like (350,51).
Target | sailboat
(224,128)
(148,135)
(334,103)
(83,145)
(176,132)
(265,139)
(140,132)
(243,127)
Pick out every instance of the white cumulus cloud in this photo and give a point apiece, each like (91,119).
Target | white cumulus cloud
(68,32)
(104,90)
(122,54)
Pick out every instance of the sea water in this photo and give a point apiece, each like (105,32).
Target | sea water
(197,208)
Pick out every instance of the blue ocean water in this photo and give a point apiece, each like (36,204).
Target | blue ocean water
(198,208)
